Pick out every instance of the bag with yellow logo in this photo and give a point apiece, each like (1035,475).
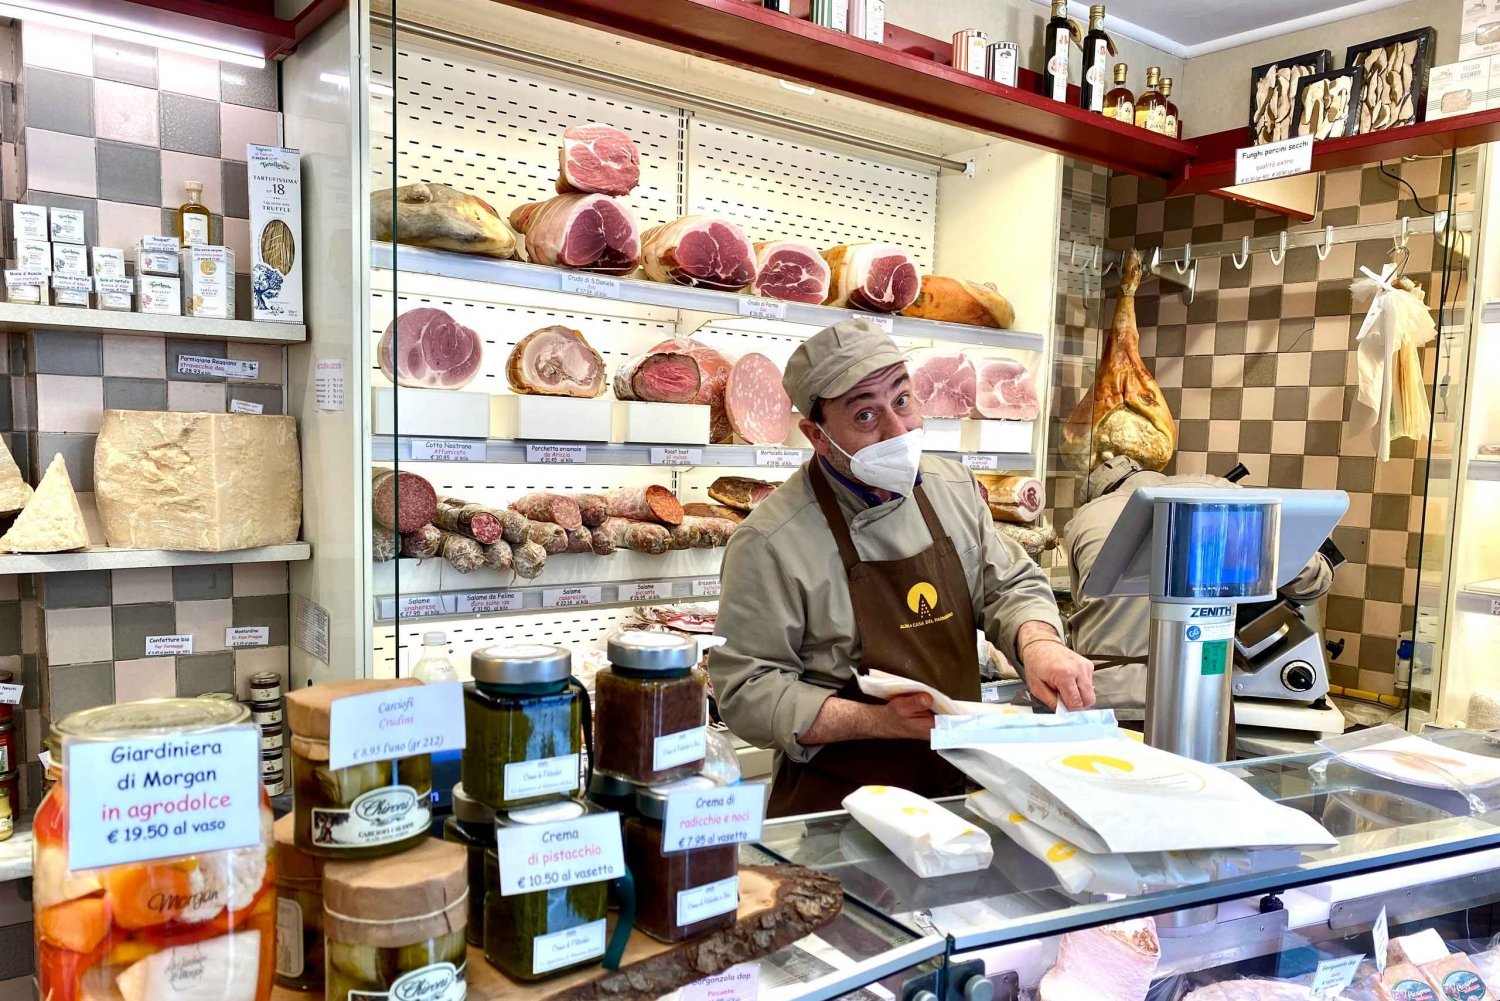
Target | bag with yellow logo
(931,840)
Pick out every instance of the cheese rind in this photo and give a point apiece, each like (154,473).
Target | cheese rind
(14,491)
(197,481)
(52,521)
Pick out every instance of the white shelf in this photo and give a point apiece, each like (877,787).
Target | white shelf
(464,267)
(1484,469)
(17,316)
(130,559)
(1490,312)
(529,598)
(1481,597)
(15,854)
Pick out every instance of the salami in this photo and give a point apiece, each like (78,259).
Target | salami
(552,538)
(556,508)
(512,526)
(383,544)
(759,410)
(653,503)
(467,519)
(580,540)
(497,556)
(603,541)
(592,508)
(637,536)
(718,530)
(713,511)
(400,500)
(691,534)
(462,553)
(422,543)
(529,559)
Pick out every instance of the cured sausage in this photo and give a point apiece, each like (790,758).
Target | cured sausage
(529,559)
(497,556)
(462,553)
(653,503)
(552,538)
(603,541)
(471,520)
(383,544)
(580,540)
(759,410)
(592,508)
(637,536)
(556,508)
(718,529)
(422,543)
(691,534)
(698,510)
(400,500)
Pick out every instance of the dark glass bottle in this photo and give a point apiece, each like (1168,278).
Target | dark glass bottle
(1057,41)
(1095,63)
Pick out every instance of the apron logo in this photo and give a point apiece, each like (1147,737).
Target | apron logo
(922,599)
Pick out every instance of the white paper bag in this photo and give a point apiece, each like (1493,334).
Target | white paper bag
(931,840)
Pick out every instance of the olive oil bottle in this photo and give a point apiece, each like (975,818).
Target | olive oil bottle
(1150,106)
(1096,52)
(1119,103)
(192,218)
(1059,36)
(1173,127)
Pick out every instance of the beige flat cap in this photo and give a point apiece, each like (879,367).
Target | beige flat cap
(833,361)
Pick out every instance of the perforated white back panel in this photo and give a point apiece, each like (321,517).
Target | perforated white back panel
(575,629)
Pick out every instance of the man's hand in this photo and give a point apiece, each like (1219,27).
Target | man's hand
(910,716)
(905,717)
(1054,673)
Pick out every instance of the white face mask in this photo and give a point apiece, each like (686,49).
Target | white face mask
(886,465)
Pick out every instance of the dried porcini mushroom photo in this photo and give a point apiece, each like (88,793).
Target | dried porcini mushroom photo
(1394,90)
(1327,104)
(1273,95)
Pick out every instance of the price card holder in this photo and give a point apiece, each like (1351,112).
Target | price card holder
(395,723)
(883,322)
(706,587)
(1333,975)
(557,453)
(1381,933)
(784,458)
(709,818)
(593,286)
(552,856)
(10,695)
(676,456)
(762,309)
(489,601)
(446,450)
(973,460)
(569,597)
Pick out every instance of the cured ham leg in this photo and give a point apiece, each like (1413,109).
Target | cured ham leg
(587,232)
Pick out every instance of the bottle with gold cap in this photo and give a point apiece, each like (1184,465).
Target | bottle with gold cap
(1173,127)
(1061,33)
(1097,49)
(1119,103)
(1150,107)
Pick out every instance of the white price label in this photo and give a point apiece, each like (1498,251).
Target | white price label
(328,385)
(706,587)
(1495,606)
(708,901)
(162,797)
(1333,975)
(568,947)
(762,309)
(551,856)
(246,407)
(10,695)
(489,601)
(786,458)
(973,461)
(114,286)
(595,286)
(680,748)
(418,606)
(395,723)
(1381,933)
(24,278)
(445,450)
(1271,160)
(542,777)
(677,457)
(311,626)
(883,322)
(566,597)
(224,368)
(557,453)
(708,818)
(72,283)
(738,983)
(646,590)
(237,636)
(169,646)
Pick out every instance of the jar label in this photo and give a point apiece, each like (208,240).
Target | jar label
(379,817)
(703,902)
(681,748)
(438,982)
(550,856)
(4,757)
(289,958)
(380,726)
(526,779)
(567,948)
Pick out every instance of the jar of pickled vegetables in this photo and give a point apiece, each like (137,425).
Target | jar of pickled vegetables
(529,936)
(394,927)
(192,926)
(366,810)
(473,826)
(299,912)
(652,704)
(525,717)
(678,894)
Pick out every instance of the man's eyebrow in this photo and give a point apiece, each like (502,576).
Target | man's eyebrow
(869,394)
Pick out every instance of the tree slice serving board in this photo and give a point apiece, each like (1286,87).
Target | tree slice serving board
(778,906)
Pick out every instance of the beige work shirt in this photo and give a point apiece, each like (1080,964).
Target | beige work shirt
(785,613)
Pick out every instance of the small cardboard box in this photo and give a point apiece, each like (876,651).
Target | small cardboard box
(29,222)
(1460,88)
(208,282)
(276,251)
(67,226)
(33,255)
(1479,34)
(160,294)
(27,286)
(155,262)
(70,259)
(71,290)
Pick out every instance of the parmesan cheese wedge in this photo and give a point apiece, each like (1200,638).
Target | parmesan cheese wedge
(14,491)
(51,522)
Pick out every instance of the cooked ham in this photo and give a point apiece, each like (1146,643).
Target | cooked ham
(1005,391)
(943,385)
(598,158)
(792,271)
(587,232)
(880,277)
(555,361)
(700,250)
(426,348)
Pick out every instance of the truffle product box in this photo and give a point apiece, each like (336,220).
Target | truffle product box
(1459,88)
(33,255)
(66,226)
(1479,34)
(111,286)
(155,262)
(70,259)
(160,294)
(275,182)
(208,282)
(27,286)
(71,290)
(29,222)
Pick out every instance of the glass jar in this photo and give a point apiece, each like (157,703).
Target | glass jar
(9,760)
(299,912)
(525,718)
(335,807)
(529,936)
(473,826)
(652,704)
(678,894)
(394,927)
(10,783)
(201,925)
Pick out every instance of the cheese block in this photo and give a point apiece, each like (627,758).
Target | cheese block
(1418,949)
(196,481)
(1457,979)
(1404,982)
(51,522)
(14,491)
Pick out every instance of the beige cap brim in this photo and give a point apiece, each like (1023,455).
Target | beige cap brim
(835,360)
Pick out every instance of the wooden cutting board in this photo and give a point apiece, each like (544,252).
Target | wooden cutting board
(778,906)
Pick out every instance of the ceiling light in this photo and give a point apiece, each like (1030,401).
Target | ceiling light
(797,88)
(97,24)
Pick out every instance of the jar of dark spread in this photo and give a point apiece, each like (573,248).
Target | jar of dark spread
(524,716)
(652,703)
(473,826)
(679,894)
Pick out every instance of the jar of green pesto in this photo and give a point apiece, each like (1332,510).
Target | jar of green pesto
(473,826)
(525,717)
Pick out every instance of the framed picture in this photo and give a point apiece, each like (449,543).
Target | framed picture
(1395,84)
(1273,89)
(1327,104)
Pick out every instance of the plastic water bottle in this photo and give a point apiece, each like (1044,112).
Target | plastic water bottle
(434,666)
(1403,664)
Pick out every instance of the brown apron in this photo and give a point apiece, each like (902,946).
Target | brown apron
(915,618)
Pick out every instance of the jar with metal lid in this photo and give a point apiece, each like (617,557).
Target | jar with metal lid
(652,704)
(9,758)
(363,811)
(299,912)
(529,936)
(201,926)
(272,738)
(10,782)
(473,826)
(394,927)
(525,717)
(679,894)
(218,696)
(265,687)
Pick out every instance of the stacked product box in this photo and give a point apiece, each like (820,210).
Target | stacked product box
(28,281)
(208,282)
(158,287)
(70,268)
(113,289)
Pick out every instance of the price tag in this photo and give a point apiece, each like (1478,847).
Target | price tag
(557,453)
(1333,975)
(237,636)
(566,597)
(1283,159)
(706,587)
(169,646)
(417,606)
(445,450)
(738,983)
(707,818)
(762,309)
(72,283)
(224,368)
(395,723)
(1495,606)
(1381,933)
(489,601)
(114,286)
(677,457)
(328,385)
(187,794)
(22,279)
(973,461)
(10,695)
(642,590)
(786,458)
(551,856)
(883,322)
(594,286)
(246,407)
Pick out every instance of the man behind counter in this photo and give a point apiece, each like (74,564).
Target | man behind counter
(871,556)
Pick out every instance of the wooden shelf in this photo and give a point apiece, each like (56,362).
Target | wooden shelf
(129,559)
(18,316)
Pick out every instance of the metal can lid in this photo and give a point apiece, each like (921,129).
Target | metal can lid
(640,650)
(520,664)
(265,679)
(547,813)
(651,801)
(150,717)
(469,810)
(218,696)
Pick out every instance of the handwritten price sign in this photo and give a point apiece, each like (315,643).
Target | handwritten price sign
(551,856)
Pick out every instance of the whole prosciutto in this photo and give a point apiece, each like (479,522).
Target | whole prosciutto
(588,232)
(704,251)
(598,158)
(879,277)
(794,272)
